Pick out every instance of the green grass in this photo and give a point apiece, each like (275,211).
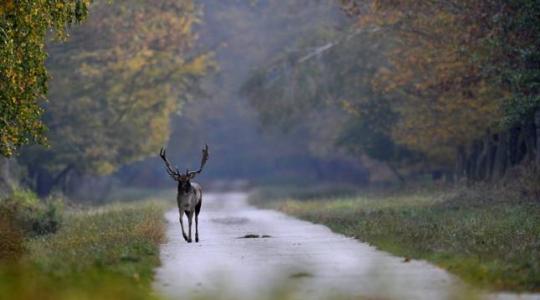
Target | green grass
(490,238)
(101,253)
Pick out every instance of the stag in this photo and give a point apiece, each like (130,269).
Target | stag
(189,197)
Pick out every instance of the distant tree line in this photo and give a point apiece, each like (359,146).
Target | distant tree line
(422,85)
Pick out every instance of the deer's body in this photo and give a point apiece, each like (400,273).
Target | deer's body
(189,197)
(189,200)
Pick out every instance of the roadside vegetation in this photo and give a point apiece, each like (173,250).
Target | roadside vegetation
(52,252)
(489,235)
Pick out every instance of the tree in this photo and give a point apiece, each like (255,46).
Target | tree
(465,73)
(328,90)
(115,86)
(24,26)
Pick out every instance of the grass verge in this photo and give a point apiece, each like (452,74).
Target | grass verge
(489,237)
(102,253)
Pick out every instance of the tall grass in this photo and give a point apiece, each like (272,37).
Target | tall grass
(102,253)
(488,235)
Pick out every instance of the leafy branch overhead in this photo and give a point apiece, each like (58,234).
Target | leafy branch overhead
(24,26)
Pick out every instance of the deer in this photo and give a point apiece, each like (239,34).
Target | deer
(189,194)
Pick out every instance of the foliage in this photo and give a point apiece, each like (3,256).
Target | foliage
(517,49)
(30,215)
(487,236)
(455,66)
(436,81)
(108,252)
(244,35)
(329,90)
(24,26)
(115,86)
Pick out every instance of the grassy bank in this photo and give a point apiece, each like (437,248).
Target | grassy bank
(488,236)
(99,253)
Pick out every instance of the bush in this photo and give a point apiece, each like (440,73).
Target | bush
(528,180)
(11,246)
(30,215)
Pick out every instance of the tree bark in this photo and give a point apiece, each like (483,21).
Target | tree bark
(513,145)
(5,175)
(501,155)
(529,139)
(472,160)
(482,159)
(492,152)
(396,172)
(460,162)
(537,125)
(45,182)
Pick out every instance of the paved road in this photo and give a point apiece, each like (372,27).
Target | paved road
(299,260)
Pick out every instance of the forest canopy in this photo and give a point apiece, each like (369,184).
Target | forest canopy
(114,84)
(453,85)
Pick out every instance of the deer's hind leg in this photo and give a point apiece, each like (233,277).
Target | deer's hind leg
(197,211)
(182,225)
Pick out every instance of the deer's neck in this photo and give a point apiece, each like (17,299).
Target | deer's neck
(185,188)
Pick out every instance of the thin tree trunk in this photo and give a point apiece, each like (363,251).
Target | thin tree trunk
(45,182)
(5,175)
(396,172)
(472,160)
(529,140)
(537,125)
(492,152)
(460,162)
(501,155)
(482,159)
(513,145)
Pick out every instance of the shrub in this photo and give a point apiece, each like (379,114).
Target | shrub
(30,215)
(528,180)
(11,246)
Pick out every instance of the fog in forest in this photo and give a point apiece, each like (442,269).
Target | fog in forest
(245,37)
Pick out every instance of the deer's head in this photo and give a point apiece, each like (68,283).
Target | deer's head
(183,178)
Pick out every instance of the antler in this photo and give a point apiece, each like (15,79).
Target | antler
(174,173)
(204,159)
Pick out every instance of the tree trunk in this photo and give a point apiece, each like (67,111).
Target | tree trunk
(460,162)
(529,141)
(501,155)
(513,145)
(396,172)
(45,182)
(537,125)
(472,159)
(492,152)
(521,148)
(6,183)
(482,159)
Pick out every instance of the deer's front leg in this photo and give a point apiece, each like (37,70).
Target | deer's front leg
(182,225)
(196,227)
(190,221)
